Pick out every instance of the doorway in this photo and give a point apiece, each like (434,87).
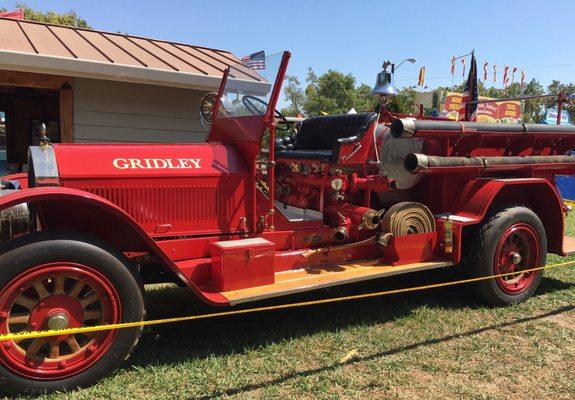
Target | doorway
(24,110)
(28,100)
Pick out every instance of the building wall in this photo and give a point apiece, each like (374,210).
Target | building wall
(107,111)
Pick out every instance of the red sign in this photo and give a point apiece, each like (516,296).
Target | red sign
(500,111)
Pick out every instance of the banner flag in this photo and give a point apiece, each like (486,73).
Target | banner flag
(522,78)
(470,94)
(421,79)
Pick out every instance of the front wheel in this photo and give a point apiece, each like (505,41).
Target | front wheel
(56,282)
(511,240)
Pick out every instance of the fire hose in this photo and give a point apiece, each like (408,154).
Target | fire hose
(408,218)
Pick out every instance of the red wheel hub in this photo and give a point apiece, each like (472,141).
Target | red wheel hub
(518,249)
(57,296)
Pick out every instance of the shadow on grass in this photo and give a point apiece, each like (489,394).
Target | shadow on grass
(175,343)
(390,352)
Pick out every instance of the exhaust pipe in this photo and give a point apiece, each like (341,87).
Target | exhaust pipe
(408,128)
(422,163)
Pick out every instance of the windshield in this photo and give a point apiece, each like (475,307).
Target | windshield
(247,103)
(248,88)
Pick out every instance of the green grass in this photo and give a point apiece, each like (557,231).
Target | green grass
(437,344)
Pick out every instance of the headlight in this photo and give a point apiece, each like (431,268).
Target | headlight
(43,167)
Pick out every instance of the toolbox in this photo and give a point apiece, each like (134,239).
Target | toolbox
(238,264)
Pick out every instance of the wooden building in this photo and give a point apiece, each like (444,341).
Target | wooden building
(89,86)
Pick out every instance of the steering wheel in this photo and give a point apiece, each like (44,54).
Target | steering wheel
(249,100)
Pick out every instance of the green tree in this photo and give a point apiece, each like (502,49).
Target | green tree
(365,101)
(294,95)
(330,93)
(404,102)
(70,18)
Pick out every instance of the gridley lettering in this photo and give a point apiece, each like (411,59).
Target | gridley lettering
(156,163)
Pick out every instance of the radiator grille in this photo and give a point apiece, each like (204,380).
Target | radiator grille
(172,204)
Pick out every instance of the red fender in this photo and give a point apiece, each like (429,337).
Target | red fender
(538,194)
(57,203)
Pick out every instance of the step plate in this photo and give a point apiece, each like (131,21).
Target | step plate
(290,282)
(569,245)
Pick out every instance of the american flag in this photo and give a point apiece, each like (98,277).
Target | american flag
(255,60)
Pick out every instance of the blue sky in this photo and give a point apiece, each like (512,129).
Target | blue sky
(356,36)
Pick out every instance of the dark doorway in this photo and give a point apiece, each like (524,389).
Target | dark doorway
(25,109)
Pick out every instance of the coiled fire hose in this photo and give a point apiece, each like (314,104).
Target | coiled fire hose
(407,218)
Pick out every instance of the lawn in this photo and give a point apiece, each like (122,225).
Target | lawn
(437,344)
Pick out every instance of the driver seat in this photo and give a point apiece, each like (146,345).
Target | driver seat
(320,138)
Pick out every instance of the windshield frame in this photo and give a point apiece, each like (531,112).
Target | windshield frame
(246,131)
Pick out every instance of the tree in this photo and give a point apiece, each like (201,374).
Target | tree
(330,93)
(70,18)
(404,102)
(295,95)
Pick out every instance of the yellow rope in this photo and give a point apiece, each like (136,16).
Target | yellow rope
(85,329)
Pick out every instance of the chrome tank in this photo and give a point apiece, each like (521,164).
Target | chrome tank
(392,152)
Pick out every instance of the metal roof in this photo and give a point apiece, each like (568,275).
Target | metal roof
(63,50)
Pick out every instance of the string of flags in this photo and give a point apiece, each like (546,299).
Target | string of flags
(508,76)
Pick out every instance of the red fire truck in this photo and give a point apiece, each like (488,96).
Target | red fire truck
(259,211)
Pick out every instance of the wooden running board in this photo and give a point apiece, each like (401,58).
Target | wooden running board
(302,280)
(569,245)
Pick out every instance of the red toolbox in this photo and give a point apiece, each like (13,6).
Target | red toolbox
(239,264)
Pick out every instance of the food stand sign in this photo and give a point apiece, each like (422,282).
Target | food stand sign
(500,111)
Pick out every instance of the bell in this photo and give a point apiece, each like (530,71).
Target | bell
(383,85)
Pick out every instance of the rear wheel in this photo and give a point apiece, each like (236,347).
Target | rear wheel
(55,282)
(511,240)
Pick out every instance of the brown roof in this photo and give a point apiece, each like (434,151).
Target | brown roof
(111,55)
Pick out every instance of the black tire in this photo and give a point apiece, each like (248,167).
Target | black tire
(482,248)
(43,248)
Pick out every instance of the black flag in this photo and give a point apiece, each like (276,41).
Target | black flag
(470,93)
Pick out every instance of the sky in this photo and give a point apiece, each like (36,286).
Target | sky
(356,36)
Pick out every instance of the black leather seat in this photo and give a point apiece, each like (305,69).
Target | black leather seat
(319,138)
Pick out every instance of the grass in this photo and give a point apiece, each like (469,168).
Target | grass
(437,344)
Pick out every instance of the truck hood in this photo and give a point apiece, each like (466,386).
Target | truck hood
(109,161)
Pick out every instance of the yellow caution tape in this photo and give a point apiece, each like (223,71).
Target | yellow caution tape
(86,329)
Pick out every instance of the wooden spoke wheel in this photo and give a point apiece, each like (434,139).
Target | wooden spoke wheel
(55,281)
(57,296)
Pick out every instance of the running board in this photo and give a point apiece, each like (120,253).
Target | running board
(568,245)
(303,280)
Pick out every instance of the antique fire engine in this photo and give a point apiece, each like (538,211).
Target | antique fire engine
(263,209)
